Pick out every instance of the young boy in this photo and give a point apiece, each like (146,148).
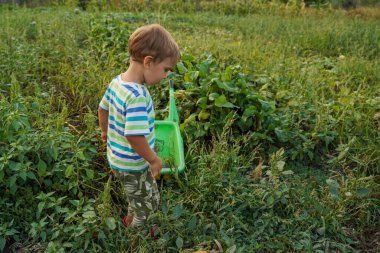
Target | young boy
(126,119)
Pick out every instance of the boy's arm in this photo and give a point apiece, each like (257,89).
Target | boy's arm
(141,146)
(103,123)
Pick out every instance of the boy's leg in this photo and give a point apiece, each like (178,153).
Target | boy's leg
(143,195)
(121,176)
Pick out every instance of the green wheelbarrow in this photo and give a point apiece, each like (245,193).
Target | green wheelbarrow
(169,143)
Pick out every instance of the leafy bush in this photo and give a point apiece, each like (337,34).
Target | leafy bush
(208,95)
(262,208)
(240,186)
(108,38)
(48,179)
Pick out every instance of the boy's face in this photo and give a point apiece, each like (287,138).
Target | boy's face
(155,72)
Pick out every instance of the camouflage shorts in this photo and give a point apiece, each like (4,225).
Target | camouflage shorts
(142,192)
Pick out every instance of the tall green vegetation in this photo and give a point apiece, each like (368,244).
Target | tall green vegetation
(279,116)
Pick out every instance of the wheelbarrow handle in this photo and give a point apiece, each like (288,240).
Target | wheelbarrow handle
(171,84)
(173,113)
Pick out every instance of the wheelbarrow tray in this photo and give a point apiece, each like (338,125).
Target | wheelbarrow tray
(169,146)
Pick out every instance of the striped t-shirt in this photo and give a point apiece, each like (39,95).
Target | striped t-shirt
(130,112)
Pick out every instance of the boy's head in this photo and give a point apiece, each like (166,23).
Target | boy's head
(154,41)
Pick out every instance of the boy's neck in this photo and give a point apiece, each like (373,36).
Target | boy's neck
(134,73)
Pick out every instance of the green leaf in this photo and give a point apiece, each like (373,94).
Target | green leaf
(334,193)
(12,184)
(43,236)
(227,74)
(14,166)
(252,96)
(2,243)
(231,249)
(179,242)
(280,165)
(55,235)
(187,57)
(66,145)
(249,112)
(221,101)
(270,200)
(40,207)
(80,155)
(101,235)
(362,192)
(287,172)
(164,208)
(189,65)
(181,68)
(22,175)
(202,102)
(203,68)
(41,168)
(166,237)
(89,214)
(332,183)
(192,223)
(191,118)
(348,194)
(227,87)
(90,173)
(69,171)
(191,76)
(11,232)
(343,153)
(31,175)
(177,211)
(266,106)
(111,224)
(203,115)
(67,245)
(321,230)
(53,152)
(281,134)
(213,96)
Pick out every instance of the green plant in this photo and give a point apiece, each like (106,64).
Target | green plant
(208,95)
(42,161)
(315,80)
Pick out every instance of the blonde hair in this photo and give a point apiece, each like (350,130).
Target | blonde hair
(152,40)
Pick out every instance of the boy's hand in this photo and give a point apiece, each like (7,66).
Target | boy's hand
(103,136)
(156,166)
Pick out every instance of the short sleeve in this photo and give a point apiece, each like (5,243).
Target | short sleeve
(136,118)
(104,103)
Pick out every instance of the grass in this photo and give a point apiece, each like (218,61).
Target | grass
(321,69)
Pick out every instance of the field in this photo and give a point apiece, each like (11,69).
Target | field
(279,108)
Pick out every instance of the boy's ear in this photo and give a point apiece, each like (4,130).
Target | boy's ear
(148,60)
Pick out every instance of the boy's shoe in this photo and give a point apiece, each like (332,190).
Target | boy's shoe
(127,220)
(153,231)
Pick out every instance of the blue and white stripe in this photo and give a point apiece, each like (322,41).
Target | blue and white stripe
(130,112)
